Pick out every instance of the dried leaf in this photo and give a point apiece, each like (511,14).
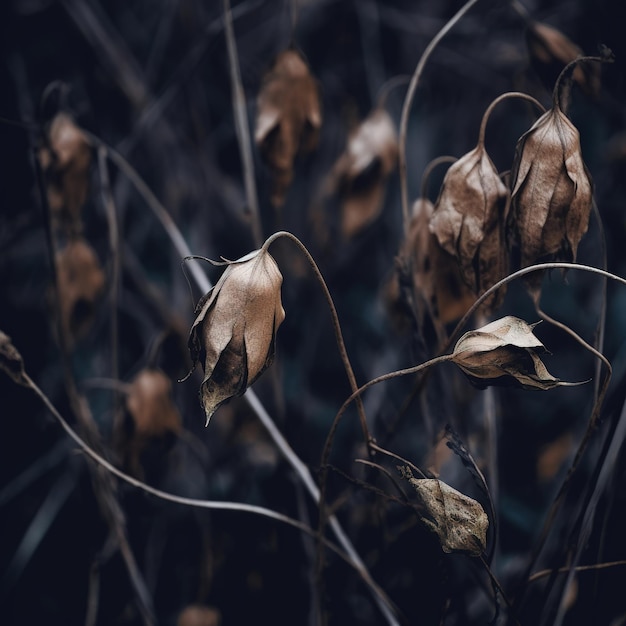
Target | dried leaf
(288,118)
(459,521)
(151,405)
(11,362)
(234,332)
(65,160)
(550,51)
(80,284)
(360,173)
(504,352)
(468,219)
(551,191)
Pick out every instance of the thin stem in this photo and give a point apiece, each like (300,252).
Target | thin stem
(494,104)
(336,325)
(393,455)
(241,126)
(408,101)
(109,205)
(560,94)
(428,170)
(579,568)
(388,86)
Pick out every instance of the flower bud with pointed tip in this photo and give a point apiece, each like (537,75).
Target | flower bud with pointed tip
(504,353)
(551,191)
(234,332)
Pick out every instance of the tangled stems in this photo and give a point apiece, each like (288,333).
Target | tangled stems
(408,100)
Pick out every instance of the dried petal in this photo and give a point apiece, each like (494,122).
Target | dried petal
(80,283)
(288,118)
(469,216)
(234,332)
(11,362)
(504,352)
(151,406)
(66,159)
(459,521)
(551,50)
(552,191)
(360,173)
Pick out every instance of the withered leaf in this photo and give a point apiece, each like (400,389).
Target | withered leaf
(551,50)
(234,332)
(80,284)
(11,362)
(551,191)
(65,160)
(468,219)
(360,173)
(458,520)
(504,352)
(288,118)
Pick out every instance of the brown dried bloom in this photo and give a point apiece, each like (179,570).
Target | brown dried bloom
(288,118)
(81,282)
(65,160)
(234,332)
(469,216)
(504,352)
(360,173)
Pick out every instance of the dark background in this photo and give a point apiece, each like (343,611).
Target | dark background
(152,80)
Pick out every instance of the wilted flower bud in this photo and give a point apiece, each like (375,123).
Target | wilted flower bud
(469,216)
(552,191)
(504,352)
(234,332)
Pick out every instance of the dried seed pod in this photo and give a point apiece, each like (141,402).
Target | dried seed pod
(551,50)
(362,170)
(468,218)
(551,191)
(234,332)
(11,362)
(65,160)
(288,118)
(459,521)
(151,406)
(80,284)
(504,352)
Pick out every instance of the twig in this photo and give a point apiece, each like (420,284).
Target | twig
(241,126)
(579,568)
(408,100)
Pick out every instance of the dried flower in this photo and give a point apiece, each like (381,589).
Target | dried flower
(551,191)
(234,332)
(360,173)
(504,352)
(468,218)
(65,160)
(288,118)
(459,521)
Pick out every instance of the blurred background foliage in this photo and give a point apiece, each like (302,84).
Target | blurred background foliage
(152,79)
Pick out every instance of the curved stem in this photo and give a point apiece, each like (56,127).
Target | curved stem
(428,170)
(560,93)
(408,100)
(579,568)
(496,102)
(241,126)
(388,86)
(336,325)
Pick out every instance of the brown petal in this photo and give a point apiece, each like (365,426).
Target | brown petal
(552,191)
(80,284)
(288,118)
(471,207)
(459,521)
(235,328)
(66,159)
